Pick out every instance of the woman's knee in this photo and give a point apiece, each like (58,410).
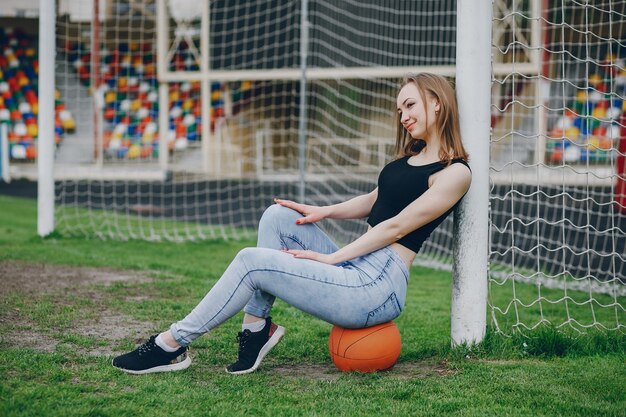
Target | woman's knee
(249,257)
(276,214)
(246,254)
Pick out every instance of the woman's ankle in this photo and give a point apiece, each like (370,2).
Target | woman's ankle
(169,340)
(252,323)
(249,318)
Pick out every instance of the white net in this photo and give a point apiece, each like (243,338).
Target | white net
(558,200)
(150,162)
(220,186)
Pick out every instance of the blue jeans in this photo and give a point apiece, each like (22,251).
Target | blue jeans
(363,292)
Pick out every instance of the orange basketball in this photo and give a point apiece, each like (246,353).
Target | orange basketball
(365,350)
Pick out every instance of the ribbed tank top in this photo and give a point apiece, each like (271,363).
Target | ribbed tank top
(399,184)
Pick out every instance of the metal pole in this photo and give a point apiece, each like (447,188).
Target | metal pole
(95,83)
(542,86)
(98,98)
(471,219)
(4,153)
(302,129)
(97,93)
(162,47)
(208,140)
(45,142)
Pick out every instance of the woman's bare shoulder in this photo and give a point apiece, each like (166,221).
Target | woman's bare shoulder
(458,173)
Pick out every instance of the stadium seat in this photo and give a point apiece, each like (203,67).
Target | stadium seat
(19,106)
(590,131)
(130,92)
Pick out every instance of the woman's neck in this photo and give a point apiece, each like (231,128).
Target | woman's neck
(433,145)
(430,152)
(430,155)
(423,158)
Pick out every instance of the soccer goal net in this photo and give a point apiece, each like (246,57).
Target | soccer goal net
(558,180)
(190,120)
(197,126)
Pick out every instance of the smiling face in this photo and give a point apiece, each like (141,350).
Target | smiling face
(417,117)
(427,110)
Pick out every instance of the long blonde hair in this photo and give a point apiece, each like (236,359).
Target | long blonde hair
(446,123)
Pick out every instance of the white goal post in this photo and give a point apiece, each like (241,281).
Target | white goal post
(45,161)
(471,220)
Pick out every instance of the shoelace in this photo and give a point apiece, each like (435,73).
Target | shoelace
(147,347)
(242,339)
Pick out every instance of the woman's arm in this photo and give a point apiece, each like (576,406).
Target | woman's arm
(439,198)
(355,208)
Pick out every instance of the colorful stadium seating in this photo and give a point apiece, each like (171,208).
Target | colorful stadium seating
(589,131)
(19,69)
(130,91)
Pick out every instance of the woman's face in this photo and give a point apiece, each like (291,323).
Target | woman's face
(417,117)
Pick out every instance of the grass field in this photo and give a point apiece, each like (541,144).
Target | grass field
(67,305)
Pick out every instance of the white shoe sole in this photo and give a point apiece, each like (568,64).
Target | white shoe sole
(163,368)
(269,345)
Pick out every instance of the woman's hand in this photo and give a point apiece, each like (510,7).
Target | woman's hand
(312,255)
(311,214)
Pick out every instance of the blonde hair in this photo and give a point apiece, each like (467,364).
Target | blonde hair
(446,123)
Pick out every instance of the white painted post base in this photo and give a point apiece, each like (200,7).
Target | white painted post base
(471,220)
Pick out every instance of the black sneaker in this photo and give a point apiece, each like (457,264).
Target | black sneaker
(253,346)
(149,358)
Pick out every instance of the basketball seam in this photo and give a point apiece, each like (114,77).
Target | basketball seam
(368,359)
(369,334)
(339,345)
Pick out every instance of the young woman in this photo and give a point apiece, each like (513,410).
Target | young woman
(360,285)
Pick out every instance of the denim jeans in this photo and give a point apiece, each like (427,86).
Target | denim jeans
(363,292)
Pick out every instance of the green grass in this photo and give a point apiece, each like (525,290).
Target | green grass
(545,373)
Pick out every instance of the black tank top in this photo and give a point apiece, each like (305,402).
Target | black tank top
(399,184)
